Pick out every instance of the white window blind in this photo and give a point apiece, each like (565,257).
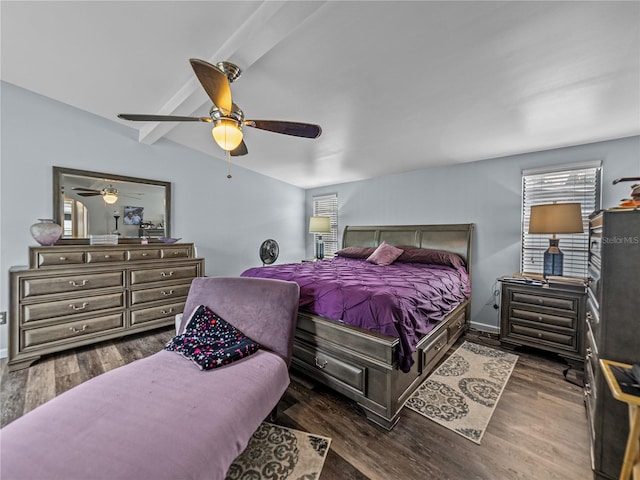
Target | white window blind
(580,183)
(327,206)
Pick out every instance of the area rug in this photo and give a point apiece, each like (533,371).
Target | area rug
(462,393)
(279,453)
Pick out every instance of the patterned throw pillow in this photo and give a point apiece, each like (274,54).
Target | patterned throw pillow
(210,342)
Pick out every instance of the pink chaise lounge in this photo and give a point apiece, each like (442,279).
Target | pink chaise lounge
(161,417)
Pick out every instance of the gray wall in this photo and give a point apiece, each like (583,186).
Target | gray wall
(487,193)
(226,219)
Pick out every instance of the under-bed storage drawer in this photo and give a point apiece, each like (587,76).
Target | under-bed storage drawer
(328,365)
(432,348)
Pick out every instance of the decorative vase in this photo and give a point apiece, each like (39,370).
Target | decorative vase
(46,232)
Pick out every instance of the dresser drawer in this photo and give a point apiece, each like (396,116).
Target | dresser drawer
(170,272)
(61,308)
(326,364)
(146,254)
(567,304)
(164,313)
(171,292)
(47,259)
(34,337)
(544,318)
(176,251)
(560,340)
(37,286)
(106,256)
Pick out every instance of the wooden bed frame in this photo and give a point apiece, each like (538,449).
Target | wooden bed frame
(362,365)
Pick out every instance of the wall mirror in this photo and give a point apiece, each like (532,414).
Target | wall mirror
(92,203)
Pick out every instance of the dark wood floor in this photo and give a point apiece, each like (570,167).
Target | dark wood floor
(538,430)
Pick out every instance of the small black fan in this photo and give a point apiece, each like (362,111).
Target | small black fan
(269,251)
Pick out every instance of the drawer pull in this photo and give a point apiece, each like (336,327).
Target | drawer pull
(62,259)
(176,253)
(439,346)
(589,353)
(145,254)
(587,389)
(540,301)
(75,330)
(166,294)
(165,275)
(539,318)
(166,312)
(84,305)
(74,284)
(107,256)
(539,335)
(320,365)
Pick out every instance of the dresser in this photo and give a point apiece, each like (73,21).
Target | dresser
(612,330)
(547,317)
(80,294)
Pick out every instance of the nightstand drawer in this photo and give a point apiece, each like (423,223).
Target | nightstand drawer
(544,318)
(559,339)
(542,300)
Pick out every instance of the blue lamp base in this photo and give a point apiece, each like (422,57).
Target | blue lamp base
(553,259)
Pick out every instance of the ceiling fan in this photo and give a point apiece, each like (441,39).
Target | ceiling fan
(226,116)
(109,194)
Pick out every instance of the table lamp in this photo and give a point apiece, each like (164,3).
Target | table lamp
(555,218)
(319,225)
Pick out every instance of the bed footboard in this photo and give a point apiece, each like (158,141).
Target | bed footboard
(362,365)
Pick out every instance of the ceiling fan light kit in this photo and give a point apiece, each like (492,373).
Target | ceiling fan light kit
(227,117)
(227,134)
(110,195)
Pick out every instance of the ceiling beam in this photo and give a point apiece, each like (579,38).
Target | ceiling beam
(269,24)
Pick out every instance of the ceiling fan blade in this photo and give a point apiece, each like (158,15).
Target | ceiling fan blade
(240,150)
(161,118)
(82,189)
(214,82)
(296,129)
(89,194)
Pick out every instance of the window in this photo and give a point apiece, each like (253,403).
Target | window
(566,183)
(327,206)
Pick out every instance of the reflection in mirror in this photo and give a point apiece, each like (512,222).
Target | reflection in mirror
(92,203)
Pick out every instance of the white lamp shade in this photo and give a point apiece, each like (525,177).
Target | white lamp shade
(553,218)
(319,224)
(227,134)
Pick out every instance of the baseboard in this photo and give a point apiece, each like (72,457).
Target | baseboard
(483,327)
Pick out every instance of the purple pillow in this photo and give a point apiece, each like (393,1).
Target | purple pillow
(428,255)
(356,252)
(209,341)
(385,254)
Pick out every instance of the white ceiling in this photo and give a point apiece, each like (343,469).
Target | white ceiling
(396,86)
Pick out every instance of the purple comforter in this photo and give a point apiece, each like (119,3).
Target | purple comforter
(402,300)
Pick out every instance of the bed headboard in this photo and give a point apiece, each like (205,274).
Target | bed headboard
(456,238)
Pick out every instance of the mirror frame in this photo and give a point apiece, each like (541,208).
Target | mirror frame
(58,172)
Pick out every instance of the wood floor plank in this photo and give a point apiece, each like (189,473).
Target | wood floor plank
(41,384)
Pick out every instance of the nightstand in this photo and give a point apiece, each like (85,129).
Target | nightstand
(547,317)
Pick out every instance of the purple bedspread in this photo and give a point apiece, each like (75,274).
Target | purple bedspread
(402,300)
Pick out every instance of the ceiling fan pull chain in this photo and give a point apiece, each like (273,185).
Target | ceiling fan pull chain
(229,165)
